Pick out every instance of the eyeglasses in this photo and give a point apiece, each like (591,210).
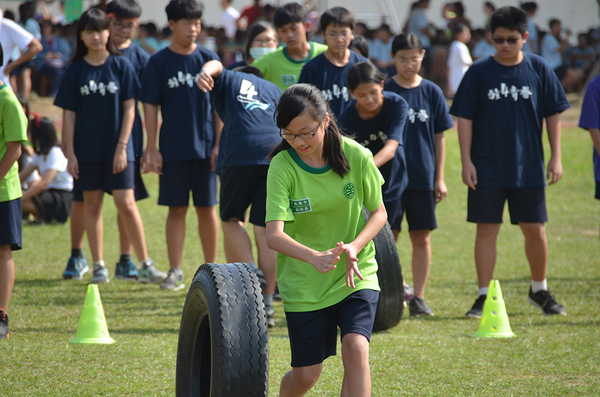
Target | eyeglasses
(265,42)
(120,25)
(511,40)
(404,61)
(304,136)
(334,35)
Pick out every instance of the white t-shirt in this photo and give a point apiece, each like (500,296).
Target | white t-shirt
(12,36)
(459,60)
(229,18)
(550,51)
(55,160)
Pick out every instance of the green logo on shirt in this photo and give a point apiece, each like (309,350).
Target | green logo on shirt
(288,79)
(349,190)
(300,206)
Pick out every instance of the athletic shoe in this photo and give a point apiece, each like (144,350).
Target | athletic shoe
(149,274)
(76,268)
(126,270)
(100,275)
(408,293)
(174,281)
(547,302)
(3,325)
(261,278)
(270,310)
(418,307)
(477,308)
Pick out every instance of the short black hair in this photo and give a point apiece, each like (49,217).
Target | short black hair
(406,41)
(43,135)
(458,29)
(510,18)
(337,16)
(554,22)
(364,72)
(530,6)
(250,70)
(183,9)
(123,9)
(360,44)
(289,13)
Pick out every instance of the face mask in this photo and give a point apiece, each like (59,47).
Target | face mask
(257,52)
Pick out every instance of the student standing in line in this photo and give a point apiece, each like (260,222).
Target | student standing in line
(329,70)
(189,141)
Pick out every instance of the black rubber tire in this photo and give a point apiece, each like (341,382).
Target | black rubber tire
(223,348)
(391,298)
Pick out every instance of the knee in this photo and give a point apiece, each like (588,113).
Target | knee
(125,205)
(177,212)
(355,350)
(307,377)
(488,230)
(420,238)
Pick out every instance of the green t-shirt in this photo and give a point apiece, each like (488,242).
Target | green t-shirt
(13,128)
(282,70)
(319,209)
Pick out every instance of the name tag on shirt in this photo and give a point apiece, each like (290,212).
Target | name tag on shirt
(300,206)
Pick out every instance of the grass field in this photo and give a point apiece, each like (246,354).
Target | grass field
(434,356)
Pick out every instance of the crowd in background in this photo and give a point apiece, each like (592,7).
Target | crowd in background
(574,63)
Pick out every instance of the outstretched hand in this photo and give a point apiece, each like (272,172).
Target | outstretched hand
(351,265)
(325,261)
(205,81)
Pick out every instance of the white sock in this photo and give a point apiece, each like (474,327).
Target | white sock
(538,286)
(268,299)
(178,272)
(483,291)
(99,263)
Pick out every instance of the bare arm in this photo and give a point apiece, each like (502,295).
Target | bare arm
(439,187)
(387,152)
(210,71)
(214,154)
(68,136)
(24,174)
(554,171)
(41,186)
(595,134)
(152,159)
(281,242)
(465,138)
(120,156)
(33,48)
(12,154)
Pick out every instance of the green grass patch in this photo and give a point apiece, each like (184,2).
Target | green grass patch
(437,356)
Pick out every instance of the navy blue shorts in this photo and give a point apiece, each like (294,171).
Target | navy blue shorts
(419,207)
(525,205)
(179,177)
(140,190)
(11,224)
(241,187)
(54,205)
(313,335)
(99,176)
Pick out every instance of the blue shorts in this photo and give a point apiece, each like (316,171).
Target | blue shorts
(99,176)
(525,205)
(597,190)
(419,207)
(179,177)
(313,335)
(11,224)
(140,190)
(241,187)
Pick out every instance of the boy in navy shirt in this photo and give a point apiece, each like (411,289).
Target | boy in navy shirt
(329,71)
(425,150)
(500,104)
(187,135)
(590,120)
(246,103)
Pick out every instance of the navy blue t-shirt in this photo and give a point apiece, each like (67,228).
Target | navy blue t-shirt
(330,79)
(373,133)
(96,94)
(187,131)
(507,105)
(139,59)
(427,115)
(246,104)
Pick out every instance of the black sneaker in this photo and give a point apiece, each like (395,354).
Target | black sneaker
(477,308)
(418,307)
(3,325)
(546,301)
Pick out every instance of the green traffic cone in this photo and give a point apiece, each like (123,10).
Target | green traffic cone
(494,320)
(92,327)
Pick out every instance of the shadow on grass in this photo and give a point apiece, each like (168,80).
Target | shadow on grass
(144,331)
(41,282)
